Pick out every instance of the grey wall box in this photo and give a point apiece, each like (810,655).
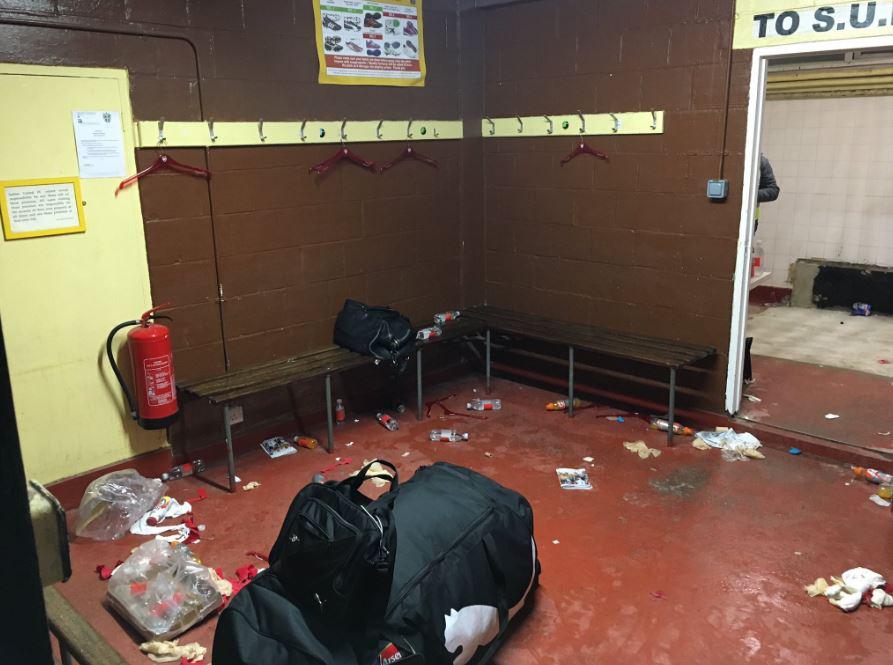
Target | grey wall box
(717,189)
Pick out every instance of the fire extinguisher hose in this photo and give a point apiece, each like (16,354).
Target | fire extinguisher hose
(108,350)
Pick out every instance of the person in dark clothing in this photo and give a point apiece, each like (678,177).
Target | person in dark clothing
(769,188)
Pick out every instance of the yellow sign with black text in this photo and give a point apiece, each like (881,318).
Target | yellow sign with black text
(363,42)
(772,22)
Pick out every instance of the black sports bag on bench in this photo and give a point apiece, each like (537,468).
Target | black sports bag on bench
(380,332)
(463,564)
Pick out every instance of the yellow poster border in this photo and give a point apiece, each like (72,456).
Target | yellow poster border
(368,80)
(9,234)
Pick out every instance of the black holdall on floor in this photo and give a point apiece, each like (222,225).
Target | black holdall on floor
(462,566)
(380,332)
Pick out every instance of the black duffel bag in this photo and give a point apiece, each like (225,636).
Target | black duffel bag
(380,332)
(335,551)
(464,566)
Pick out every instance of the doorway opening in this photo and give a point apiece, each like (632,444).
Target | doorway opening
(820,115)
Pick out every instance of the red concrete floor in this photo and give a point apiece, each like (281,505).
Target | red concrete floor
(796,396)
(681,559)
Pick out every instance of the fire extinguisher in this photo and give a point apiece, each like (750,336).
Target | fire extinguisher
(151,359)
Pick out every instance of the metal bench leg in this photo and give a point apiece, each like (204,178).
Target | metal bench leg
(570,381)
(418,383)
(671,415)
(330,444)
(230,461)
(487,364)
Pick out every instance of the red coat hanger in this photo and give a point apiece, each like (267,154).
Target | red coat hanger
(164,162)
(583,148)
(343,153)
(407,153)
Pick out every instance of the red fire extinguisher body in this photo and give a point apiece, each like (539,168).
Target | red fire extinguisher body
(151,359)
(153,374)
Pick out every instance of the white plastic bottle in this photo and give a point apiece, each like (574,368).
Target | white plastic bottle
(443,317)
(445,435)
(478,404)
(429,333)
(388,422)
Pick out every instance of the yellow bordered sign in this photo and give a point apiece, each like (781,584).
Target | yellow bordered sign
(41,207)
(773,22)
(370,43)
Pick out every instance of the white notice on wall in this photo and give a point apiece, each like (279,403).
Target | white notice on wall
(100,143)
(36,208)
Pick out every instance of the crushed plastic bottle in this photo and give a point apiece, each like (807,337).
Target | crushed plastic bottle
(388,422)
(184,470)
(447,435)
(873,475)
(443,317)
(429,333)
(561,405)
(340,414)
(478,404)
(662,424)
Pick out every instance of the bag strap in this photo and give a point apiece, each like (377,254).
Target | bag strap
(355,482)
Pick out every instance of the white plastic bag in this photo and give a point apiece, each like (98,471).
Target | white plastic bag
(162,590)
(114,502)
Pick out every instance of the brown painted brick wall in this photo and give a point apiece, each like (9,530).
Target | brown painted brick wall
(632,243)
(287,247)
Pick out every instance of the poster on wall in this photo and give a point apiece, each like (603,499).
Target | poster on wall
(100,143)
(370,43)
(45,207)
(772,22)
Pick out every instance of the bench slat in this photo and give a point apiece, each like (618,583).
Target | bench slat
(600,340)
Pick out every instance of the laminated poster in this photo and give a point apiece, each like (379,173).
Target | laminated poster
(370,43)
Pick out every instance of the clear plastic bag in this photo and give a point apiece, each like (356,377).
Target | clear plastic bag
(114,502)
(162,590)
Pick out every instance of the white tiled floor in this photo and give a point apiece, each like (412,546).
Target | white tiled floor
(817,336)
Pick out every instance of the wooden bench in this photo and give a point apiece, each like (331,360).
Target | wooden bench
(77,638)
(225,389)
(627,346)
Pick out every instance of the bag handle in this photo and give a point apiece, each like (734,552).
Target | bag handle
(355,482)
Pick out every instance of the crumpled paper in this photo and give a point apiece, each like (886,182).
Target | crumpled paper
(250,486)
(641,449)
(376,470)
(817,588)
(881,599)
(846,592)
(170,651)
(166,508)
(224,586)
(734,446)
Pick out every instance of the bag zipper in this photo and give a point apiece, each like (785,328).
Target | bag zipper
(424,571)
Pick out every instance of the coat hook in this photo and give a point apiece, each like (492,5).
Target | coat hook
(653,120)
(211,130)
(492,126)
(616,127)
(582,121)
(260,130)
(303,126)
(520,124)
(343,133)
(161,137)
(409,129)
(378,130)
(436,133)
(551,128)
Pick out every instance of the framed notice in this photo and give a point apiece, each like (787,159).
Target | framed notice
(370,43)
(43,207)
